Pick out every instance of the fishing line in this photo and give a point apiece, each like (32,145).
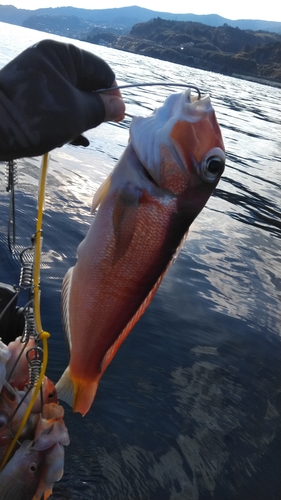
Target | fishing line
(153,84)
(39,333)
(12,178)
(17,292)
(16,362)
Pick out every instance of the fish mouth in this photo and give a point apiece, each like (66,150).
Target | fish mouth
(187,107)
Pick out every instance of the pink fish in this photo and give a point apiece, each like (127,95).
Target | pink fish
(52,471)
(48,394)
(21,476)
(17,367)
(51,436)
(4,357)
(51,428)
(164,178)
(11,415)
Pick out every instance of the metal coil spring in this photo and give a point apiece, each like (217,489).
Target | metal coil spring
(11,174)
(29,327)
(34,372)
(35,365)
(26,274)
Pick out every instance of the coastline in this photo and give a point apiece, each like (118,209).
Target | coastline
(262,81)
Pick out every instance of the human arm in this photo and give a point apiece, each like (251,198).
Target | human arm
(48,98)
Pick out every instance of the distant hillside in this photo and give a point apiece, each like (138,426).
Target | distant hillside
(120,18)
(246,48)
(226,50)
(224,38)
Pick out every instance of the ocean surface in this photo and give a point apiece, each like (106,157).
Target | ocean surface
(189,409)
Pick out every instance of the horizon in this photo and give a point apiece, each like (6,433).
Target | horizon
(239,10)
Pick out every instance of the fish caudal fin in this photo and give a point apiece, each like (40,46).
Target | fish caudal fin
(65,387)
(77,393)
(48,493)
(84,395)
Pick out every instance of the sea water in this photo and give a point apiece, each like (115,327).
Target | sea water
(188,409)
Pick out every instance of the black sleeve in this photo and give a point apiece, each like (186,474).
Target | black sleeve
(47,98)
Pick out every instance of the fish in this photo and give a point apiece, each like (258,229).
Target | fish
(45,450)
(17,366)
(166,174)
(21,476)
(52,472)
(4,357)
(51,435)
(13,406)
(47,394)
(51,428)
(12,411)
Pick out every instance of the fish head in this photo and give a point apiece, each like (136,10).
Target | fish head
(53,411)
(50,394)
(4,354)
(4,427)
(28,459)
(51,428)
(180,144)
(9,400)
(21,476)
(17,366)
(47,395)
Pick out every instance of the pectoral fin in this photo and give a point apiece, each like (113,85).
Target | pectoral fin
(124,217)
(100,193)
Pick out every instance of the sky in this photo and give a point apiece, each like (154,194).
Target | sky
(269,10)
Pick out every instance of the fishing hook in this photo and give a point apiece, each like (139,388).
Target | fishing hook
(152,84)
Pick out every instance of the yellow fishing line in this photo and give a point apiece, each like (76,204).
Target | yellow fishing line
(43,336)
(38,243)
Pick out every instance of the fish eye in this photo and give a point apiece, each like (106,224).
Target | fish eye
(3,420)
(212,165)
(33,467)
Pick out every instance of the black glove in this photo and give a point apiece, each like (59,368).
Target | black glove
(47,98)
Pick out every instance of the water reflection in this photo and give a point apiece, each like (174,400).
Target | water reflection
(257,210)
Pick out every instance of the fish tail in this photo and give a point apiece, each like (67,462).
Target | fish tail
(48,493)
(65,387)
(84,395)
(78,393)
